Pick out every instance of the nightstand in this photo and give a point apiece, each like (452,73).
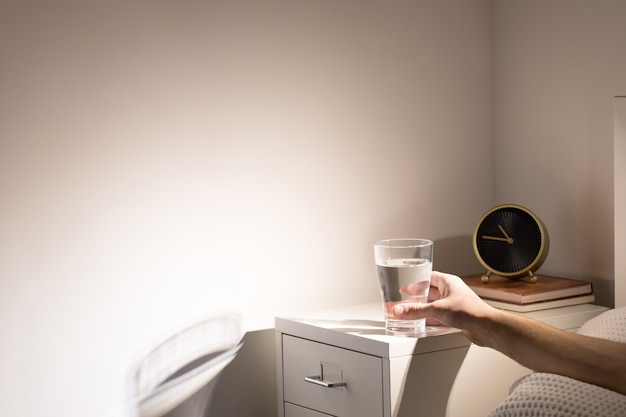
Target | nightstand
(342,363)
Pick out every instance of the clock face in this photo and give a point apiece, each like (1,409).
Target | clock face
(510,241)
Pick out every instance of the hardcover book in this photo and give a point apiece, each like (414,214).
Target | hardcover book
(521,291)
(542,305)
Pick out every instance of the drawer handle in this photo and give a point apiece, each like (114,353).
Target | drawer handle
(319,381)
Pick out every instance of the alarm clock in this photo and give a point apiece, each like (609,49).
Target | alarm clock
(510,241)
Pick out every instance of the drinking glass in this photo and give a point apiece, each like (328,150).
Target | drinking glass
(403,267)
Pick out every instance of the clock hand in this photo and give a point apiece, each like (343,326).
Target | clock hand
(509,239)
(503,239)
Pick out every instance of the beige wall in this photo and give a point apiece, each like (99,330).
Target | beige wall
(164,160)
(558,64)
(161,161)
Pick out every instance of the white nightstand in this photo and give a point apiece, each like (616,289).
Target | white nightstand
(342,363)
(350,346)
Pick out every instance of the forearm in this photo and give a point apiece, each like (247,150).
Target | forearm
(544,348)
(532,343)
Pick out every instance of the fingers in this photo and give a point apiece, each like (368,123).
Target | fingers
(434,294)
(437,285)
(435,309)
(437,278)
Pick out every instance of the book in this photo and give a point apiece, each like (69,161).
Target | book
(543,305)
(521,291)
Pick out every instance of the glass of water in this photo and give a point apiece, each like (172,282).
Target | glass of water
(403,267)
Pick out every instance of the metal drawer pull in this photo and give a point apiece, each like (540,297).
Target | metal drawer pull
(318,381)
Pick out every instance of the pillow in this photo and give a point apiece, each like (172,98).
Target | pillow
(550,395)
(609,325)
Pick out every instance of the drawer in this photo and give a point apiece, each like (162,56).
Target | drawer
(362,395)
(295,411)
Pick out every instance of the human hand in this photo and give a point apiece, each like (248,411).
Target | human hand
(531,343)
(452,303)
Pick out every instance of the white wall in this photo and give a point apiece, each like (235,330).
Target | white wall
(557,65)
(160,161)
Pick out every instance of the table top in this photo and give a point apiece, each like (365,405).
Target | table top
(362,328)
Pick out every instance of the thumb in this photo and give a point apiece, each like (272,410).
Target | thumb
(410,311)
(417,311)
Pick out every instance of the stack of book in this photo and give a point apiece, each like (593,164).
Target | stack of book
(521,295)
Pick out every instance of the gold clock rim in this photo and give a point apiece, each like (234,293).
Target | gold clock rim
(543,248)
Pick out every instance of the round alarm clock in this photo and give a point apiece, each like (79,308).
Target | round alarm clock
(510,241)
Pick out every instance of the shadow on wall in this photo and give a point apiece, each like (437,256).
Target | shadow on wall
(247,387)
(455,255)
